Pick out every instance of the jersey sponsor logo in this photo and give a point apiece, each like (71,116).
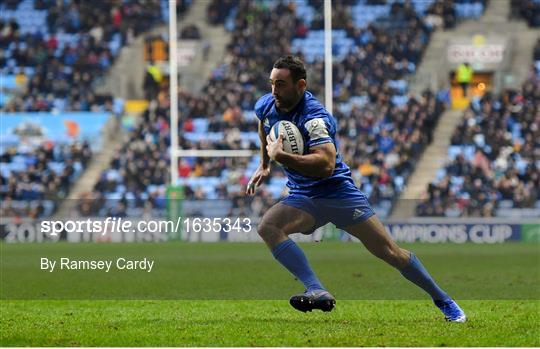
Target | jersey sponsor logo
(316,129)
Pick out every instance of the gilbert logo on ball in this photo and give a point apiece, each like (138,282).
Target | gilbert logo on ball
(293,142)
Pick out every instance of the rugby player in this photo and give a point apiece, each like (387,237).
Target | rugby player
(321,190)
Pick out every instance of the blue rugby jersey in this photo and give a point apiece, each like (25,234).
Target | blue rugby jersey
(317,126)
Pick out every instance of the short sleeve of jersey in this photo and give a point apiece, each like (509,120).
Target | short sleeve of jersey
(318,127)
(263,106)
(317,132)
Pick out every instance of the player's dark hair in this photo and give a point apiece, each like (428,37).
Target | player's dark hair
(295,66)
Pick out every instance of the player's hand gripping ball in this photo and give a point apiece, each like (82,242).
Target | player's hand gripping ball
(293,142)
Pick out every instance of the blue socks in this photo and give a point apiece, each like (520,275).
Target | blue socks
(293,258)
(417,274)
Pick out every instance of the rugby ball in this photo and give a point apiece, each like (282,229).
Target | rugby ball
(293,142)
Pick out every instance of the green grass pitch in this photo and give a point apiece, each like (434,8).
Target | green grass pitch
(233,294)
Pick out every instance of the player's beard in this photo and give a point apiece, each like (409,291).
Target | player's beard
(287,103)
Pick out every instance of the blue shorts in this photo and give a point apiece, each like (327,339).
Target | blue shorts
(344,205)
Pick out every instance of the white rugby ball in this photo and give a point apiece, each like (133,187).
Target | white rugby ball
(293,142)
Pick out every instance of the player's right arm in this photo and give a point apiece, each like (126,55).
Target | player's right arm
(263,171)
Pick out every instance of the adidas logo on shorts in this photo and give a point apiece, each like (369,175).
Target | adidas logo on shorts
(357,213)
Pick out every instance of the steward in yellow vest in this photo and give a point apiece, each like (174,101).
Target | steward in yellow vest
(464,76)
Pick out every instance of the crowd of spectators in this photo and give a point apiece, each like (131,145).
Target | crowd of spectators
(502,130)
(78,44)
(38,186)
(442,14)
(141,162)
(528,10)
(496,156)
(190,32)
(61,61)
(104,18)
(393,135)
(392,139)
(218,11)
